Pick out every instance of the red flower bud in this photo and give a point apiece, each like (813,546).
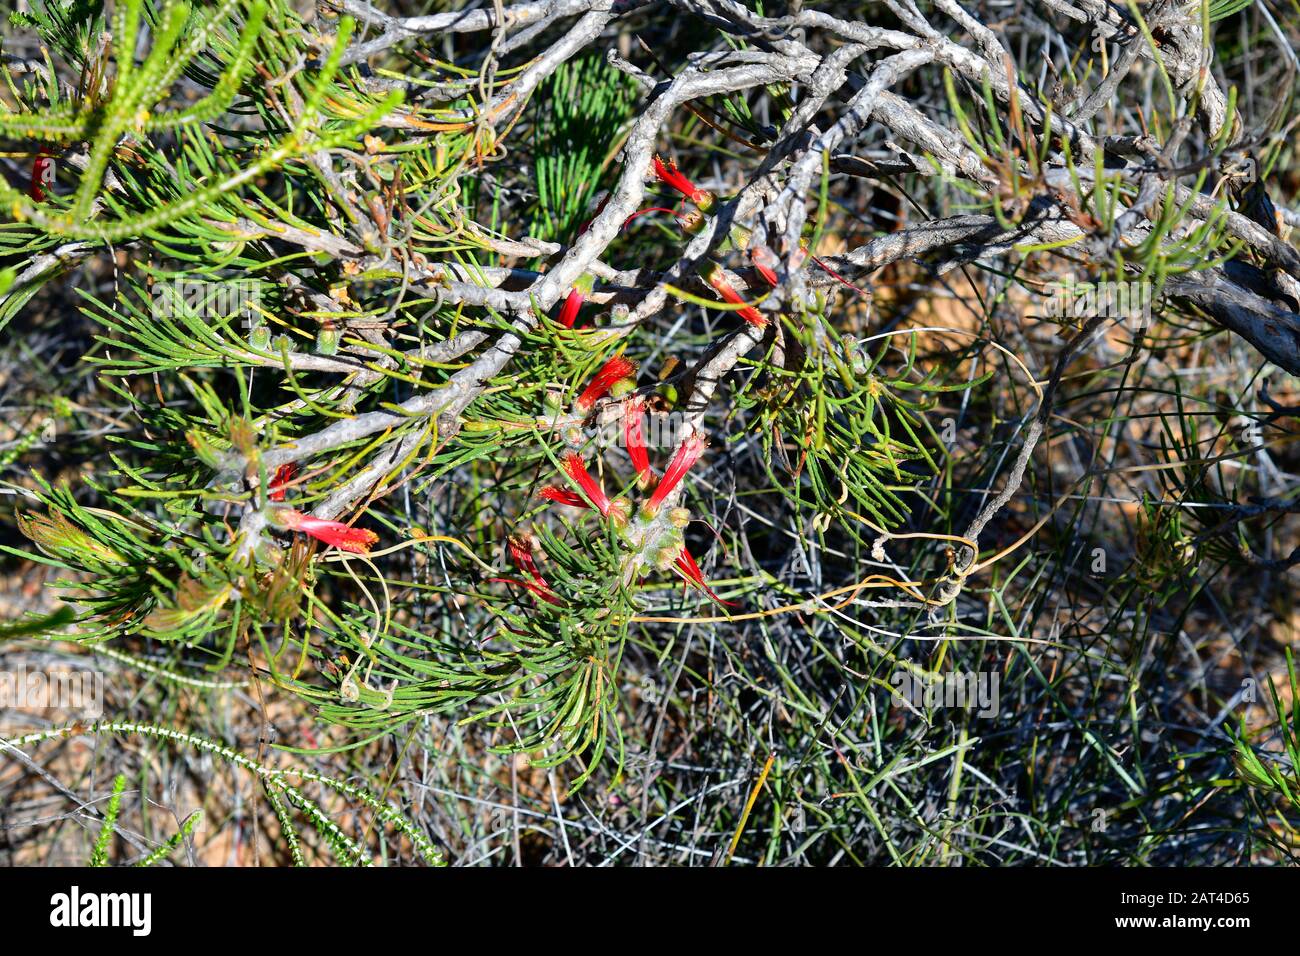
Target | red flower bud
(42,174)
(336,533)
(762,260)
(569,311)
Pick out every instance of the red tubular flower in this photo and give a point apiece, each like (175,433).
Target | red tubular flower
(283,475)
(612,372)
(576,469)
(572,306)
(725,289)
(688,453)
(42,173)
(543,592)
(562,496)
(689,570)
(634,439)
(521,552)
(336,533)
(762,260)
(668,174)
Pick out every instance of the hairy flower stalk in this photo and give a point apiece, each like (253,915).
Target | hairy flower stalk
(688,453)
(335,533)
(634,439)
(668,174)
(618,371)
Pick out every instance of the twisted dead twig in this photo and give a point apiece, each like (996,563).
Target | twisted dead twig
(791,205)
(397,29)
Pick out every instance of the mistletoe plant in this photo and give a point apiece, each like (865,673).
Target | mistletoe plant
(445,380)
